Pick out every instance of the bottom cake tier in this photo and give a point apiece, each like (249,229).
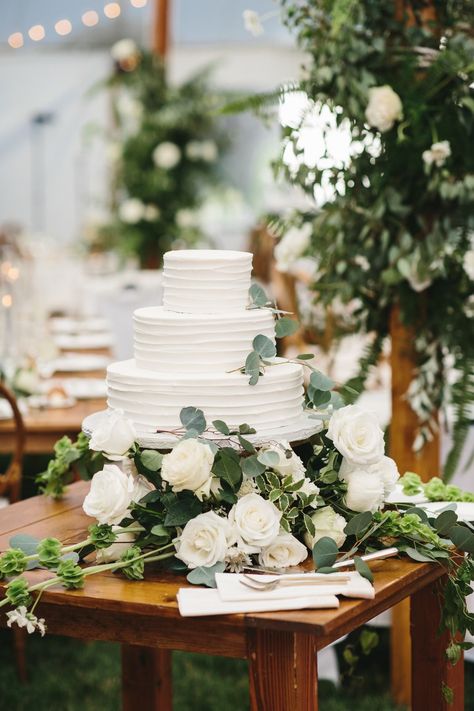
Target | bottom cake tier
(153,401)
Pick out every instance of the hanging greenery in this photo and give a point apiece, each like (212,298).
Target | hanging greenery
(164,149)
(397,227)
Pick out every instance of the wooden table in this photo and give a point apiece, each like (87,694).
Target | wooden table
(280,646)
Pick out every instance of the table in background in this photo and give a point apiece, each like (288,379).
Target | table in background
(279,646)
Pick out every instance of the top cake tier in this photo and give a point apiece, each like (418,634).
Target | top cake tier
(206,281)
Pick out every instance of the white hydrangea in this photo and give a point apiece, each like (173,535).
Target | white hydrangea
(437,154)
(124,49)
(384,108)
(131,211)
(166,155)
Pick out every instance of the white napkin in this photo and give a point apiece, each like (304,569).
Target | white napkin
(194,602)
(231,589)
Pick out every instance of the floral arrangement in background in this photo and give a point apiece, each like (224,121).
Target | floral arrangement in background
(398,228)
(164,151)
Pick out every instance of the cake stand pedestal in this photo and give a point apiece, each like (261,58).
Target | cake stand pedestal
(296,433)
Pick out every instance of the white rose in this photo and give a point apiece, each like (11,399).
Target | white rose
(110,495)
(468,263)
(256,522)
(385,468)
(291,246)
(365,491)
(356,434)
(131,211)
(252,22)
(151,213)
(166,155)
(123,49)
(248,486)
(283,552)
(384,108)
(437,154)
(287,466)
(186,218)
(123,542)
(329,524)
(114,436)
(188,467)
(141,487)
(204,540)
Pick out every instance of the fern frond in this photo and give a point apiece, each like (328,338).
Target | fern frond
(462,395)
(257,102)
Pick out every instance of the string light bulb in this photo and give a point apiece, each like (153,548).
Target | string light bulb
(90,18)
(16,40)
(36,33)
(7,301)
(138,3)
(63,27)
(112,10)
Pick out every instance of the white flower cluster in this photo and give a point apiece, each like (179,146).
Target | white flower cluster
(133,210)
(292,246)
(384,108)
(166,155)
(370,475)
(437,154)
(24,619)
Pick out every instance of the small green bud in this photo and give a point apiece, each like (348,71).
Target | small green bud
(49,552)
(13,562)
(136,568)
(17,592)
(72,576)
(102,535)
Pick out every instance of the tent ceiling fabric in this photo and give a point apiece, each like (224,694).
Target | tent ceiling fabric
(192,22)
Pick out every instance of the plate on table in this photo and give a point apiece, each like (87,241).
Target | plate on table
(398,497)
(43,402)
(74,325)
(84,340)
(79,363)
(463,509)
(85,388)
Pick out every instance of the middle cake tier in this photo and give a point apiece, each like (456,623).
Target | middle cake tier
(153,401)
(171,342)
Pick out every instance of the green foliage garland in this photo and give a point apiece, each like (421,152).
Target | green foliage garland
(399,227)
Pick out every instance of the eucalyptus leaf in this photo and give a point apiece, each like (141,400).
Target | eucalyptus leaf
(363,569)
(319,398)
(181,510)
(358,524)
(417,555)
(305,356)
(251,466)
(325,552)
(193,418)
(205,576)
(246,429)
(151,459)
(319,381)
(160,531)
(445,521)
(268,458)
(246,445)
(26,543)
(264,346)
(252,367)
(258,295)
(462,538)
(286,327)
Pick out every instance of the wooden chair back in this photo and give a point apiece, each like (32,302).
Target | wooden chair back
(10,481)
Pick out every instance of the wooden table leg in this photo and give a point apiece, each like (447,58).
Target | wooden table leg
(283,671)
(430,667)
(146,679)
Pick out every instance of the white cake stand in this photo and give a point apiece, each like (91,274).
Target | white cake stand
(299,431)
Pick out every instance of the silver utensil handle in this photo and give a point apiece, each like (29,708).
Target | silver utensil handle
(377,555)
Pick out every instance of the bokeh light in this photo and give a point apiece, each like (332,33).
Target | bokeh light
(112,10)
(63,27)
(36,33)
(16,40)
(90,18)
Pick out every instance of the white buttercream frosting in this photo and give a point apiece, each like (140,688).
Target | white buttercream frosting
(185,349)
(172,342)
(206,281)
(154,400)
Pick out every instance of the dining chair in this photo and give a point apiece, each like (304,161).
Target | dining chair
(10,493)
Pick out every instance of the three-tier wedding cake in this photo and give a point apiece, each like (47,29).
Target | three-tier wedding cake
(188,351)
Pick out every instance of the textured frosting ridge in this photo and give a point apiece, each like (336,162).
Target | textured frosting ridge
(173,342)
(154,400)
(206,280)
